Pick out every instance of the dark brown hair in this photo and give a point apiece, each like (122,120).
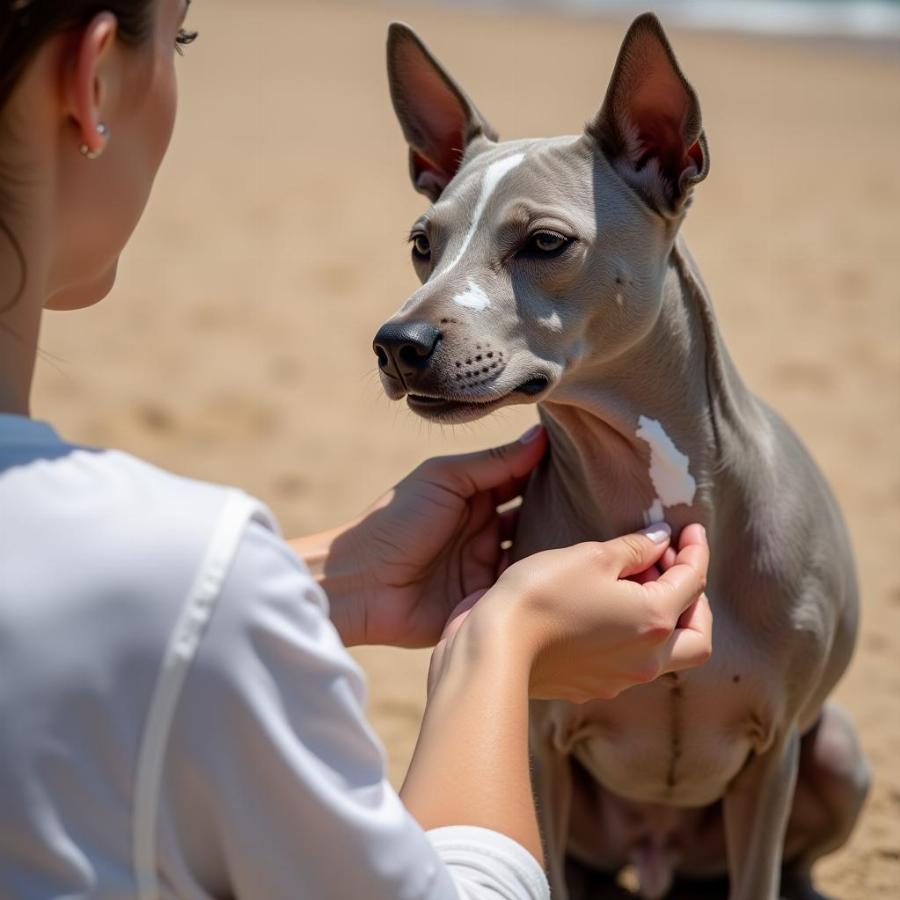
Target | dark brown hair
(24,27)
(26,24)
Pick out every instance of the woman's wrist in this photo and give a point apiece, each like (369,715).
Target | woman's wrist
(507,617)
(337,565)
(492,630)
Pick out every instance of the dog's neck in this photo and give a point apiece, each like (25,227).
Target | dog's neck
(677,386)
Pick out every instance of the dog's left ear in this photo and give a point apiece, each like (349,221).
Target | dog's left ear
(649,126)
(438,120)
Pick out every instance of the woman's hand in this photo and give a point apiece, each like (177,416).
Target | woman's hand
(394,576)
(597,618)
(581,623)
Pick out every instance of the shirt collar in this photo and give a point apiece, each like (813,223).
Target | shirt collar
(19,430)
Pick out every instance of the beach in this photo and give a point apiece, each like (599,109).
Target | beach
(236,346)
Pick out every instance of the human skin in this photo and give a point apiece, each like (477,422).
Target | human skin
(395,573)
(585,621)
(581,623)
(577,628)
(72,217)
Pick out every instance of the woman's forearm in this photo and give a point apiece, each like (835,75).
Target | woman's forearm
(471,765)
(334,563)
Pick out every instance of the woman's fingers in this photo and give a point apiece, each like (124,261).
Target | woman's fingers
(632,554)
(668,558)
(680,585)
(697,616)
(691,644)
(692,534)
(647,575)
(487,470)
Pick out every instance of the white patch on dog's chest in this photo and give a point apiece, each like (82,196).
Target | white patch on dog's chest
(473,297)
(669,473)
(552,322)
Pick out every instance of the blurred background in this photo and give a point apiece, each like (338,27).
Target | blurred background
(236,346)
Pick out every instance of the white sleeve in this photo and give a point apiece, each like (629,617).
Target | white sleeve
(275,783)
(485,863)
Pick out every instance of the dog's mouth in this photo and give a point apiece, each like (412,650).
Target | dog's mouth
(466,408)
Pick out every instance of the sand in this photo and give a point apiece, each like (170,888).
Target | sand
(236,346)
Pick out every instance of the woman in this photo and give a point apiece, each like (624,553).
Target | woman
(180,717)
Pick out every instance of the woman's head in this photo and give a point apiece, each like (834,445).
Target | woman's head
(87,105)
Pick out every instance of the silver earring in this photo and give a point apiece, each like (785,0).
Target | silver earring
(86,151)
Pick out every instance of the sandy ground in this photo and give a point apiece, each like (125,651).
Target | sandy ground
(237,344)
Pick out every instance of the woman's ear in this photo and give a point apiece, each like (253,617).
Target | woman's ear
(438,120)
(88,81)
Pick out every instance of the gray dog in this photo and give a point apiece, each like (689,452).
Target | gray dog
(552,272)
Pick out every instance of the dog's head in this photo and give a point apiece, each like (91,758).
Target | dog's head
(539,259)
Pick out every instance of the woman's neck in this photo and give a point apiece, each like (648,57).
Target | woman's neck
(21,304)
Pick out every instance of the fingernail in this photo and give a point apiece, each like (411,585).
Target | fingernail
(531,434)
(659,532)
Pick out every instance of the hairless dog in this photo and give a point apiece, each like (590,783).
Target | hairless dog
(552,273)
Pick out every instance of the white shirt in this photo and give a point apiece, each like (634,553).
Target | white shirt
(178,716)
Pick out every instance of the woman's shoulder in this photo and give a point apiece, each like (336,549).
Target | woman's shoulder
(119,559)
(105,495)
(112,523)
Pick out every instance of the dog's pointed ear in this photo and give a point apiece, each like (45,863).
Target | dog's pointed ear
(438,120)
(649,126)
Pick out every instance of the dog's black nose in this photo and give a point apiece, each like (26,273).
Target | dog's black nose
(404,348)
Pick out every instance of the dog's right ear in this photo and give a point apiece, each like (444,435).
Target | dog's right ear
(438,120)
(650,127)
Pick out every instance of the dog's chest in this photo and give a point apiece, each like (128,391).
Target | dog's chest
(680,740)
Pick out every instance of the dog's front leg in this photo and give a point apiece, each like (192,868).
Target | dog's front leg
(756,806)
(551,776)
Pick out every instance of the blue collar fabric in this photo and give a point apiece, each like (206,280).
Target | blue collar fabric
(20,430)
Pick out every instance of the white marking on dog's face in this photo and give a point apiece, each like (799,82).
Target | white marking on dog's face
(669,473)
(492,177)
(473,297)
(564,140)
(553,322)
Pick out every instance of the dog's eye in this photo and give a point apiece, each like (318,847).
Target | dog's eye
(546,243)
(421,247)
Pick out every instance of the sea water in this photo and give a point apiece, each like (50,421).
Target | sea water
(864,19)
